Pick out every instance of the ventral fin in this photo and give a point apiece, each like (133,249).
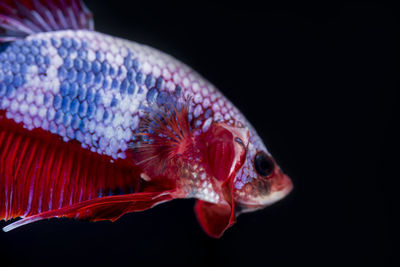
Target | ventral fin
(21,18)
(216,218)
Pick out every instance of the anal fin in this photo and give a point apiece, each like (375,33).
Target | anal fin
(106,208)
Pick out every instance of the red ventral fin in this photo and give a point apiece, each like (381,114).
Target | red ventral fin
(216,218)
(164,135)
(106,208)
(226,149)
(24,17)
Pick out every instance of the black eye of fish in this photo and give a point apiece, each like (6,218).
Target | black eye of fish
(263,164)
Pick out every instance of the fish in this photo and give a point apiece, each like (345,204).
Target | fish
(93,126)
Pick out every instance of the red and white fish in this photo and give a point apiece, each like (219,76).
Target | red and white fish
(93,127)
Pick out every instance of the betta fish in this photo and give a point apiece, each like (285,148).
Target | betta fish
(93,127)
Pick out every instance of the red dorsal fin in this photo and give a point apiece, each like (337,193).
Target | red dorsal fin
(21,18)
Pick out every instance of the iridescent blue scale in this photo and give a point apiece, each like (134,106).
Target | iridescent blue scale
(20,58)
(152,95)
(74,106)
(57,102)
(68,63)
(82,110)
(30,59)
(115,84)
(67,119)
(124,86)
(18,80)
(96,66)
(2,89)
(58,118)
(112,71)
(65,104)
(64,88)
(75,122)
(139,78)
(131,89)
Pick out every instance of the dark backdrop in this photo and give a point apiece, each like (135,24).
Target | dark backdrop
(319,85)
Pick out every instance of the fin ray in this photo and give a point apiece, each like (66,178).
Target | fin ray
(164,135)
(109,208)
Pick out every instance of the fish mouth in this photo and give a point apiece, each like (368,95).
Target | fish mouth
(286,186)
(279,190)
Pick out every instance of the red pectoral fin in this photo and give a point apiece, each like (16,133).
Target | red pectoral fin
(226,149)
(221,152)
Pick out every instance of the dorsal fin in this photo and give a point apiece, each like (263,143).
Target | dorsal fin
(21,18)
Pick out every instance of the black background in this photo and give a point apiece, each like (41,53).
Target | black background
(319,85)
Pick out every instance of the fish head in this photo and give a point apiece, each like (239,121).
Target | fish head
(249,177)
(260,181)
(250,174)
(226,167)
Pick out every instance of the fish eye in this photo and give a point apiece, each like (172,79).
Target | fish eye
(263,164)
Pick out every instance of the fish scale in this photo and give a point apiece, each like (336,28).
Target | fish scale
(92,84)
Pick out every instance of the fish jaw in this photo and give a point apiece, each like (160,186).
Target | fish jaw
(278,191)
(261,194)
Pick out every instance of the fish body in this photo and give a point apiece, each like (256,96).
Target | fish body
(93,126)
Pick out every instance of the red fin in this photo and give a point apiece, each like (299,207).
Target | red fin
(106,208)
(39,173)
(24,17)
(163,136)
(226,149)
(216,218)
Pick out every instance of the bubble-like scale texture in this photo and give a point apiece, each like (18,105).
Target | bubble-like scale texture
(94,88)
